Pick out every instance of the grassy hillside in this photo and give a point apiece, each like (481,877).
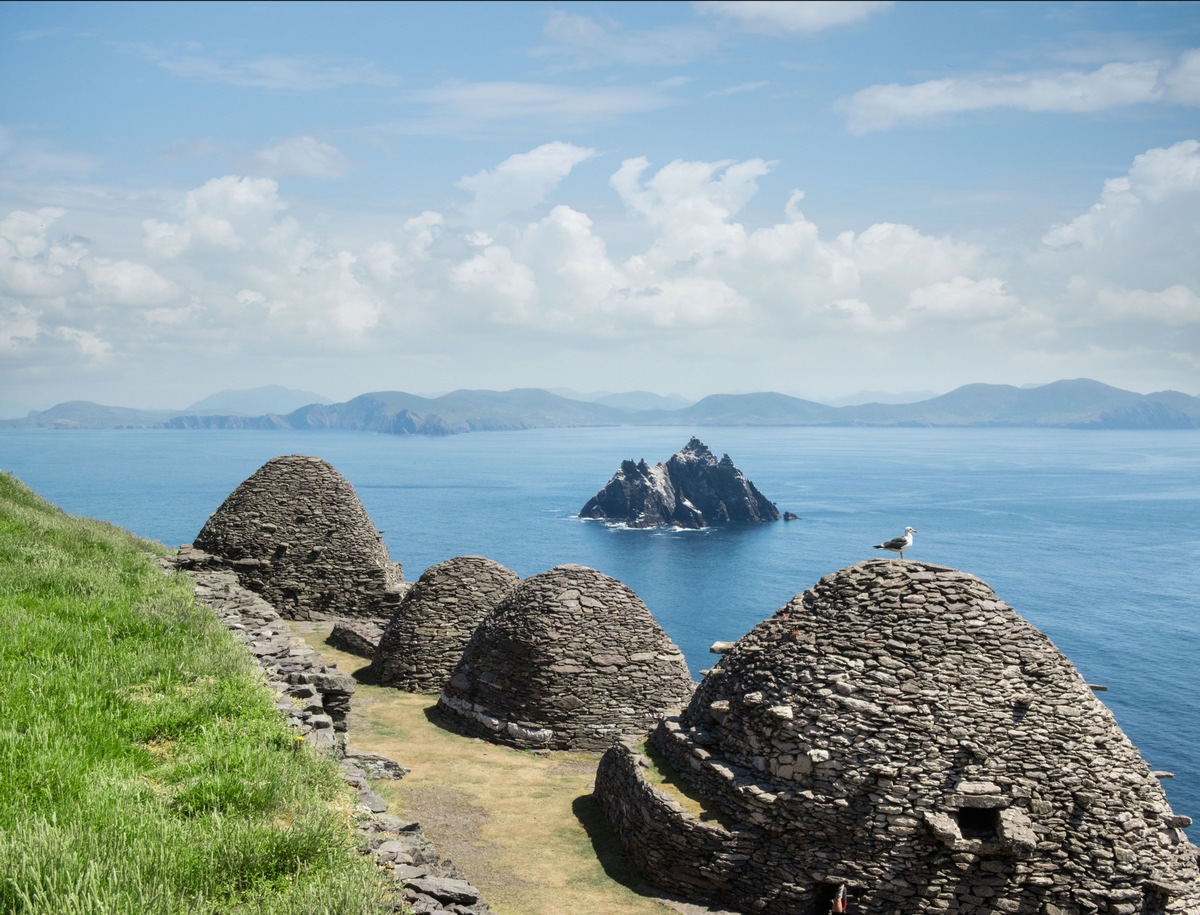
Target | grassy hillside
(143,766)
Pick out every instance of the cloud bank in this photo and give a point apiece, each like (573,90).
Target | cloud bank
(1113,85)
(249,280)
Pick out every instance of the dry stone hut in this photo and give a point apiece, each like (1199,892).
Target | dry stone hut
(295,532)
(900,733)
(426,637)
(570,660)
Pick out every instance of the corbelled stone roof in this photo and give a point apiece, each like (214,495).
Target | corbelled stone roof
(296,532)
(571,659)
(429,631)
(899,731)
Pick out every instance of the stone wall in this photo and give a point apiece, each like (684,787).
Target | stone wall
(570,660)
(296,533)
(427,635)
(899,731)
(695,859)
(315,698)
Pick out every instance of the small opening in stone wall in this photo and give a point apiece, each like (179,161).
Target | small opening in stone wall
(830,898)
(981,823)
(1154,902)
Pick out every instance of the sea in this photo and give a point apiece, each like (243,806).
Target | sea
(1091,536)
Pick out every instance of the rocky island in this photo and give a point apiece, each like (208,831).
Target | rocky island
(691,490)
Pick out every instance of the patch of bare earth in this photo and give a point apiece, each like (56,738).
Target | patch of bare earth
(524,828)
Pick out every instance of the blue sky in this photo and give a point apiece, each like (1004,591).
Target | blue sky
(692,198)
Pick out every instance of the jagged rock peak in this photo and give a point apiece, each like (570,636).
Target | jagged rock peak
(692,489)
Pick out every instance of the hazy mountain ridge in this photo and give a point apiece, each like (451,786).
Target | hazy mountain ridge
(272,398)
(1078,403)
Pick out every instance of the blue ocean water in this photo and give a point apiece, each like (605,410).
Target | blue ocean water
(1092,536)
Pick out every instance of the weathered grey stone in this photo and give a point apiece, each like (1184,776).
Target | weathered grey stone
(445,889)
(357,637)
(295,532)
(990,780)
(426,636)
(373,765)
(530,677)
(692,490)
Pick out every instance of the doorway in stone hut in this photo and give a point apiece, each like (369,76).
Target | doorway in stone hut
(831,898)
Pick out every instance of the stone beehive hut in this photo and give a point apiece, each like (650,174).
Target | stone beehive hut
(900,733)
(295,532)
(570,660)
(426,636)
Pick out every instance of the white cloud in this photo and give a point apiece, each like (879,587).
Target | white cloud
(39,34)
(1181,83)
(697,277)
(687,301)
(473,108)
(1175,306)
(32,264)
(1121,282)
(298,74)
(87,343)
(963,299)
(773,16)
(123,282)
(18,327)
(691,204)
(228,212)
(521,181)
(574,273)
(1158,176)
(740,88)
(304,156)
(900,255)
(25,154)
(388,261)
(589,41)
(1143,231)
(1112,85)
(507,288)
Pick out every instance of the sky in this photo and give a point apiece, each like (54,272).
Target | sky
(814,198)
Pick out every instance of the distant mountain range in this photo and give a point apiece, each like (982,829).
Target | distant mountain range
(271,398)
(1076,404)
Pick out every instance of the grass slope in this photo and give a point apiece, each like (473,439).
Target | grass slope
(143,766)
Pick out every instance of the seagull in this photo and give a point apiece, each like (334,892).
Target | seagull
(898,544)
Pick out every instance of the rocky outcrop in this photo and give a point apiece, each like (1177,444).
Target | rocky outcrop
(295,532)
(426,636)
(900,733)
(570,660)
(691,490)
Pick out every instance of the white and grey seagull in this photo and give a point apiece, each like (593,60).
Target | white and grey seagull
(898,544)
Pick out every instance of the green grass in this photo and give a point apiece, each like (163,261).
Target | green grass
(143,766)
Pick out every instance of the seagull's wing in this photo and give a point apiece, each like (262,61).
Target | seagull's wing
(896,543)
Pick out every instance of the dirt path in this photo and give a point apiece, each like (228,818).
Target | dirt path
(523,827)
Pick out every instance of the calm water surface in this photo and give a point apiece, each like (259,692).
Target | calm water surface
(1094,537)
